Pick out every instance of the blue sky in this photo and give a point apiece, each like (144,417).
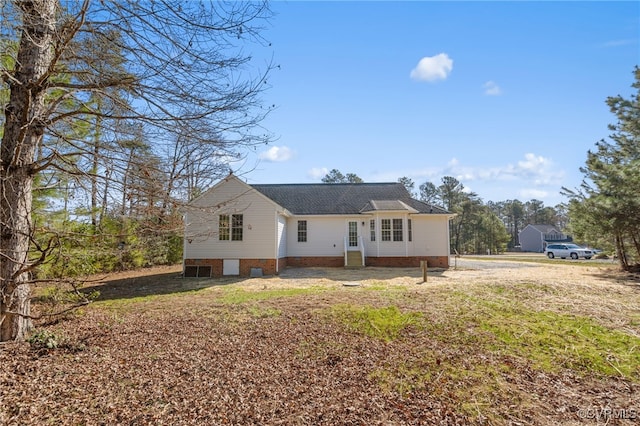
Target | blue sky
(505,96)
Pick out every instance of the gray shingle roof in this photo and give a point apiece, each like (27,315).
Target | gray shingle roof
(343,198)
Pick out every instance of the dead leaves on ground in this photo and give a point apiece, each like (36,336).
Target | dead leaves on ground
(220,364)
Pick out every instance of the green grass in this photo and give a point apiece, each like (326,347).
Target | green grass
(550,340)
(381,323)
(236,296)
(553,341)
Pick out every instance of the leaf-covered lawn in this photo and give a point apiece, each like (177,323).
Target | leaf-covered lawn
(308,350)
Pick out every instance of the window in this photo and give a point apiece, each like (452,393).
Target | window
(230,227)
(302,231)
(372,228)
(409,230)
(397,229)
(386,229)
(236,227)
(223,227)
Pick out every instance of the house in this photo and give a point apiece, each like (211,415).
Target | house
(239,229)
(534,238)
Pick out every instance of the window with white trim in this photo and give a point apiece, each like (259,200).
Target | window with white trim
(372,229)
(409,230)
(236,227)
(223,227)
(230,227)
(385,230)
(302,231)
(397,229)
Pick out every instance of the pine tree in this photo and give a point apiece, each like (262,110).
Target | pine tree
(608,201)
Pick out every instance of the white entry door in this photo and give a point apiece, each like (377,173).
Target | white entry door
(352,235)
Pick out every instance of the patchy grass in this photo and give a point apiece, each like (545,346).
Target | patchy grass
(531,345)
(556,341)
(235,296)
(380,323)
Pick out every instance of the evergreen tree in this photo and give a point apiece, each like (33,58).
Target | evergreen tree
(336,176)
(608,202)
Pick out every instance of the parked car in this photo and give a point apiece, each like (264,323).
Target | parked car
(563,251)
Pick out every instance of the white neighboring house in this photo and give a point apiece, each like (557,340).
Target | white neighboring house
(237,229)
(534,238)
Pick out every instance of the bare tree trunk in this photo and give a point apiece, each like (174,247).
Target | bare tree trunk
(621,252)
(95,160)
(23,133)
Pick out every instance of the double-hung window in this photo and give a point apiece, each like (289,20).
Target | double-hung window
(386,230)
(223,227)
(236,227)
(391,230)
(302,231)
(397,229)
(230,227)
(372,229)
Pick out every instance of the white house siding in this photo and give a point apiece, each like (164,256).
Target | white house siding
(325,235)
(430,236)
(282,236)
(259,223)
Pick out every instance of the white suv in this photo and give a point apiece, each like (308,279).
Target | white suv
(567,250)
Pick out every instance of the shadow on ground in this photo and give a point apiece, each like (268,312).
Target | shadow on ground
(152,283)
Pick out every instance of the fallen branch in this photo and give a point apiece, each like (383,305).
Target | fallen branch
(37,317)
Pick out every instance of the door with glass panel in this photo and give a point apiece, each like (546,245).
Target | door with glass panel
(352,235)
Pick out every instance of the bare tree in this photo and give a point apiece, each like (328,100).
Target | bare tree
(169,66)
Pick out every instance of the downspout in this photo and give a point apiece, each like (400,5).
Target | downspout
(406,236)
(449,239)
(378,235)
(184,243)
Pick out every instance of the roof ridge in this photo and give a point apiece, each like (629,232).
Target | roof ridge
(325,184)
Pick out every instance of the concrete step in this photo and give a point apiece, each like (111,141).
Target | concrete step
(354,259)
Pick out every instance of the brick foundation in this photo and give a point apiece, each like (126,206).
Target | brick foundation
(408,262)
(215,264)
(318,261)
(269,265)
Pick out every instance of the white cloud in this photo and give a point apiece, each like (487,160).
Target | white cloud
(276,154)
(432,68)
(318,172)
(534,169)
(538,169)
(533,163)
(492,89)
(533,176)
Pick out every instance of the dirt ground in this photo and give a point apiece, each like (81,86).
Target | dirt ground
(160,349)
